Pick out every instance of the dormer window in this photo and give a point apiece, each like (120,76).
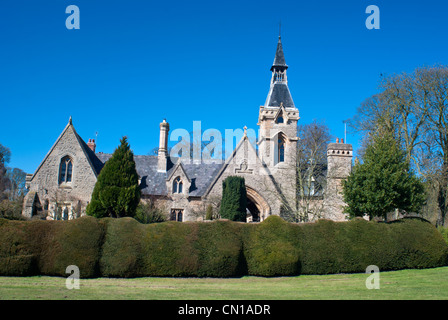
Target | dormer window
(177,185)
(65,170)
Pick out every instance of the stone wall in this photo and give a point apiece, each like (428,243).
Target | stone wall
(45,182)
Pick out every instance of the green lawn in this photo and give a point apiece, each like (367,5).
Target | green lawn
(405,284)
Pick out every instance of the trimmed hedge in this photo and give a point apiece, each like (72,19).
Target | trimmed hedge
(172,249)
(126,248)
(272,248)
(49,247)
(347,247)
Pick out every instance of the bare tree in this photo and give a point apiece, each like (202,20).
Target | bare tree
(17,189)
(5,156)
(414,107)
(305,203)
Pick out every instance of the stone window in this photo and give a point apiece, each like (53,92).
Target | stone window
(177,185)
(176,215)
(309,187)
(280,120)
(65,170)
(281,150)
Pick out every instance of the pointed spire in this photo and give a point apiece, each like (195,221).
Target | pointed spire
(279,60)
(70,120)
(279,91)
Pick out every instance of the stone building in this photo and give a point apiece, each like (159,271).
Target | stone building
(63,183)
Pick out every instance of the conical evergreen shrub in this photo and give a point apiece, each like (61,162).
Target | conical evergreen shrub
(234,199)
(116,193)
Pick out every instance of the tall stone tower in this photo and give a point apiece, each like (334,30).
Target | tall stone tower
(277,120)
(339,158)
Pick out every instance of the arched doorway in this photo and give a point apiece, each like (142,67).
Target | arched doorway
(257,208)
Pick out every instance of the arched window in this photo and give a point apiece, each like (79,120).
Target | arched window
(65,170)
(281,150)
(280,120)
(177,215)
(177,185)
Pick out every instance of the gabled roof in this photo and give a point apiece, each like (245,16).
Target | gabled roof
(154,182)
(181,168)
(94,162)
(251,149)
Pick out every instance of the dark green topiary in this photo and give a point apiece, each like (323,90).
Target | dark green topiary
(234,199)
(63,243)
(127,248)
(116,192)
(272,248)
(49,247)
(220,249)
(347,247)
(16,255)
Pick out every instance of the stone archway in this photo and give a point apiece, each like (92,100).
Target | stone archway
(257,207)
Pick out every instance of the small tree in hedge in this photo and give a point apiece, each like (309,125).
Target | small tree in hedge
(383,182)
(209,212)
(116,192)
(234,199)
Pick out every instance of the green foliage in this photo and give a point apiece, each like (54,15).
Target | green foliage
(272,248)
(11,209)
(126,248)
(147,212)
(121,251)
(49,247)
(172,249)
(163,249)
(116,192)
(383,182)
(234,199)
(209,212)
(335,247)
(16,255)
(220,249)
(444,232)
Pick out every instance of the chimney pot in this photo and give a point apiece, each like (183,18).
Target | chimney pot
(91,144)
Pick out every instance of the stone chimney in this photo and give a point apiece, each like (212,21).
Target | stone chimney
(163,147)
(91,144)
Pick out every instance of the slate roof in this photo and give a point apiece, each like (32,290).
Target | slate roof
(154,182)
(97,164)
(279,93)
(201,176)
(279,60)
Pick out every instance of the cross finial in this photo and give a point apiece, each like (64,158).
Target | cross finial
(245,131)
(280,29)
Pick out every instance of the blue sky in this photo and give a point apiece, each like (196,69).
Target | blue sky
(133,63)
